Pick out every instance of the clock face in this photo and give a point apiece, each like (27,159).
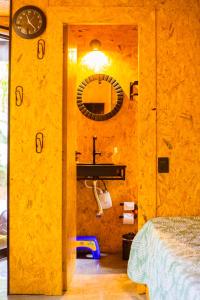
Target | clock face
(29,22)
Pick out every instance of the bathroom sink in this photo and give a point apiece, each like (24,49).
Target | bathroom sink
(106,171)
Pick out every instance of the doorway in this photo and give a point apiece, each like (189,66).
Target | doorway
(118,54)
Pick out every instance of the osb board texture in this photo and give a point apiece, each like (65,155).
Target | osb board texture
(193,4)
(120,45)
(147,123)
(179,111)
(35,212)
(36,179)
(69,164)
(129,3)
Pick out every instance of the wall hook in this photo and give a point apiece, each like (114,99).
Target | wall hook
(133,90)
(40,49)
(19,95)
(39,142)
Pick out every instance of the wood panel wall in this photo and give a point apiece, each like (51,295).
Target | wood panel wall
(178,123)
(169,36)
(35,213)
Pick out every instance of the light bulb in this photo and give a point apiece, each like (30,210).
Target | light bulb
(95,60)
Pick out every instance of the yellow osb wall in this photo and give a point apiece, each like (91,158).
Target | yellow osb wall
(178,119)
(36,179)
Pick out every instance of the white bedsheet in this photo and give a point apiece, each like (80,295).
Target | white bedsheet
(165,255)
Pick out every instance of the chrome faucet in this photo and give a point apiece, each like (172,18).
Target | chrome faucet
(94,152)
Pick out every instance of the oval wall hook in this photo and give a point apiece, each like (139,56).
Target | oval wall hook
(40,49)
(19,95)
(39,142)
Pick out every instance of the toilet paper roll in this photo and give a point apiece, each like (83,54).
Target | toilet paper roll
(129,205)
(128,218)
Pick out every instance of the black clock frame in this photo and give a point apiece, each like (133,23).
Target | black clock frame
(33,35)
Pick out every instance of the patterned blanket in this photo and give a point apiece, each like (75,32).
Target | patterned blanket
(165,255)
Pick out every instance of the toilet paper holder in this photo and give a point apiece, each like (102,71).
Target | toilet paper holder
(134,211)
(121,216)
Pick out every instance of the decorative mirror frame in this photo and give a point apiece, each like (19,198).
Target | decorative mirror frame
(99,117)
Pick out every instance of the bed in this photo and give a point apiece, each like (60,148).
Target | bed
(165,255)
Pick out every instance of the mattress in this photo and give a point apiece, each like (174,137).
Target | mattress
(165,255)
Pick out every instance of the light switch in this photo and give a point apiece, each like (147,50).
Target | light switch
(163,164)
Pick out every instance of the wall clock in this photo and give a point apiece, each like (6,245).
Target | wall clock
(29,22)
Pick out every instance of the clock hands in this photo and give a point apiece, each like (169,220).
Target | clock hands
(32,17)
(30,22)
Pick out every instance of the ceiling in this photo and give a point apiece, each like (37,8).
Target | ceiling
(4,7)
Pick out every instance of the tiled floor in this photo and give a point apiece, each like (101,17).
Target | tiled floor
(105,279)
(108,264)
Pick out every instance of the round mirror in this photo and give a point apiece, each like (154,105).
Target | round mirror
(99,97)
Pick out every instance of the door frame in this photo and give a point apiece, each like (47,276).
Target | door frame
(145,19)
